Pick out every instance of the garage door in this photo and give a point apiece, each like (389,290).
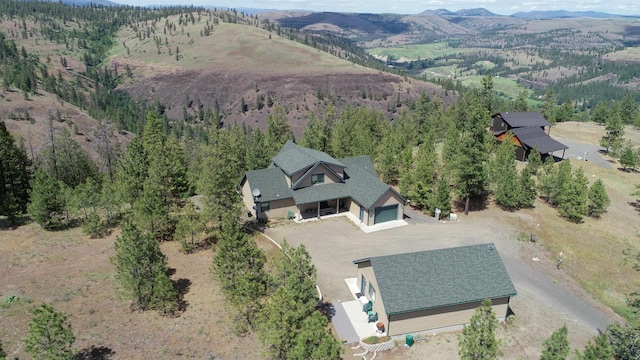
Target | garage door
(385,213)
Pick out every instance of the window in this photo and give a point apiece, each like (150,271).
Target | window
(317,179)
(372,292)
(264,206)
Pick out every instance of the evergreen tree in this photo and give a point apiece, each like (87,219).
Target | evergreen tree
(190,225)
(534,161)
(46,203)
(628,157)
(420,179)
(487,93)
(629,109)
(441,199)
(313,136)
(15,174)
(388,160)
(566,111)
(556,347)
(600,114)
(598,199)
(278,131)
(223,164)
(287,320)
(612,139)
(141,271)
(549,106)
(520,103)
(472,177)
(599,350)
(505,176)
(256,157)
(527,188)
(624,340)
(67,161)
(50,337)
(546,179)
(574,202)
(131,172)
(478,339)
(238,264)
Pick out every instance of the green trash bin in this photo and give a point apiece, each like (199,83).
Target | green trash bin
(409,340)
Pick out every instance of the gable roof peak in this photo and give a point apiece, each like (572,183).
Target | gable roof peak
(293,158)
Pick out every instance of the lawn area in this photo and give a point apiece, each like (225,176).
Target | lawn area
(417,51)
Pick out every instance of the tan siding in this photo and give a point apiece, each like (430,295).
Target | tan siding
(365,269)
(329,177)
(354,208)
(247,197)
(389,198)
(296,176)
(419,321)
(279,208)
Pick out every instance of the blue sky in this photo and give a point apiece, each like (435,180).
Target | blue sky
(504,7)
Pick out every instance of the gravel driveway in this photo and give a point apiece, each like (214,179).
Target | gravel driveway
(546,296)
(577,149)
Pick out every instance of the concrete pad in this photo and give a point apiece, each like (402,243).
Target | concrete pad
(367,229)
(359,320)
(342,323)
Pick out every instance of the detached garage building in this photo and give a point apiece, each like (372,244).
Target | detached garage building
(434,290)
(306,183)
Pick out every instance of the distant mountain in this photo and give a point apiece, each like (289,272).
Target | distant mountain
(438,12)
(474,12)
(558,14)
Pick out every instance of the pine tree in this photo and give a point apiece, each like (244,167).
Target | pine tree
(534,161)
(629,109)
(612,139)
(478,339)
(527,188)
(574,202)
(190,225)
(238,264)
(141,271)
(598,350)
(624,340)
(598,199)
(628,157)
(556,347)
(441,199)
(600,114)
(505,176)
(50,337)
(314,341)
(487,93)
(566,111)
(549,106)
(131,172)
(472,177)
(15,173)
(278,131)
(520,103)
(287,319)
(46,203)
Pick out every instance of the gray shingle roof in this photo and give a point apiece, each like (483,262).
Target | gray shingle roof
(363,182)
(534,136)
(523,119)
(436,278)
(271,183)
(293,158)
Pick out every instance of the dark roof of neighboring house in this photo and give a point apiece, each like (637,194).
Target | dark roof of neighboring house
(436,278)
(270,182)
(362,183)
(293,158)
(534,136)
(524,119)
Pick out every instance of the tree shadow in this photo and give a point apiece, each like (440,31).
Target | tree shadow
(628,170)
(182,287)
(95,353)
(22,220)
(635,205)
(328,310)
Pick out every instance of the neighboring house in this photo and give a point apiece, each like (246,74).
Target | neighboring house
(306,183)
(434,290)
(528,129)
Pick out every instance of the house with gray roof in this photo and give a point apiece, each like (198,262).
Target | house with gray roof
(434,290)
(530,131)
(305,183)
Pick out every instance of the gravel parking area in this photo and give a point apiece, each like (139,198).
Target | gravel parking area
(547,297)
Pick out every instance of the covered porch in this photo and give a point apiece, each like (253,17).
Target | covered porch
(323,208)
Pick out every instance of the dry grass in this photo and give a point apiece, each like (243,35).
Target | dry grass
(74,274)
